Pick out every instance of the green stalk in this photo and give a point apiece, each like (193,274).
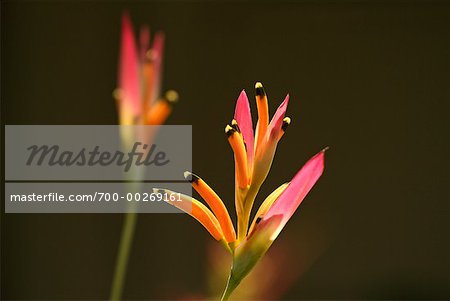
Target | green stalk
(231,286)
(126,241)
(129,223)
(246,198)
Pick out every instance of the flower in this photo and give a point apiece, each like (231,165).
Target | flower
(138,103)
(139,81)
(253,156)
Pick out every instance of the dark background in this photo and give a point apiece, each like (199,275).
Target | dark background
(368,79)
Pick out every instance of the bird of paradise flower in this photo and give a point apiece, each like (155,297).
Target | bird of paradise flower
(253,156)
(139,103)
(139,82)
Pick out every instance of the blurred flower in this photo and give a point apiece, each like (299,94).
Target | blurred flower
(253,156)
(139,81)
(139,103)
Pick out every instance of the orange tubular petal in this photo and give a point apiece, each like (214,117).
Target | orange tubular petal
(286,123)
(148,74)
(197,210)
(159,111)
(263,113)
(240,155)
(215,203)
(207,219)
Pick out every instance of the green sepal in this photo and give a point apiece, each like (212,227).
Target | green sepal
(250,251)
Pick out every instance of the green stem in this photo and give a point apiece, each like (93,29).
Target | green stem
(231,286)
(246,198)
(126,241)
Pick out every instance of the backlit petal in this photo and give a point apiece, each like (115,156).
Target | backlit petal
(215,203)
(275,126)
(288,202)
(250,251)
(144,42)
(197,210)
(128,80)
(243,117)
(157,57)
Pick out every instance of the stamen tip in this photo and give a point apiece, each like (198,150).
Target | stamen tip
(171,96)
(286,123)
(259,89)
(158,190)
(235,125)
(229,130)
(191,177)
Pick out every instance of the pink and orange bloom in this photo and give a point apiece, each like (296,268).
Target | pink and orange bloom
(138,103)
(138,94)
(254,151)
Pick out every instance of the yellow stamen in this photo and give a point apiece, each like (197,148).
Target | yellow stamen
(265,206)
(240,155)
(215,203)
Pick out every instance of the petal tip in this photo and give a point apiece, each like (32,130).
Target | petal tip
(242,96)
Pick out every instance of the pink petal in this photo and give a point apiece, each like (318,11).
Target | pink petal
(157,53)
(277,119)
(129,68)
(243,117)
(291,198)
(144,41)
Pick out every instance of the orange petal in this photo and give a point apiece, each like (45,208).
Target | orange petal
(240,155)
(148,75)
(263,113)
(197,210)
(160,110)
(215,203)
(286,123)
